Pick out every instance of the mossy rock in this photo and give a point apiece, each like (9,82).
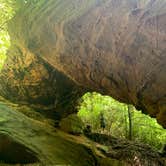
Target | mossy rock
(111,162)
(72,124)
(38,143)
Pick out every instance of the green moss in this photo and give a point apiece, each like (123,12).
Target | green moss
(72,124)
(111,162)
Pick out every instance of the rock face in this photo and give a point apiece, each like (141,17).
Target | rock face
(13,152)
(23,138)
(28,79)
(27,141)
(115,47)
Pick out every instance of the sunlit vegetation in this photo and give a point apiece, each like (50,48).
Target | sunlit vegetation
(6,12)
(4,45)
(116,118)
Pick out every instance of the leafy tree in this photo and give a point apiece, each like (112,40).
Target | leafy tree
(121,120)
(130,133)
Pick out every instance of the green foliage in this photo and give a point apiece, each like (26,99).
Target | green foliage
(94,104)
(6,12)
(144,128)
(148,130)
(4,44)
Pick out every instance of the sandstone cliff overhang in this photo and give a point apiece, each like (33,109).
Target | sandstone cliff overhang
(114,47)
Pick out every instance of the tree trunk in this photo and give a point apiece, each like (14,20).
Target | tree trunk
(130,133)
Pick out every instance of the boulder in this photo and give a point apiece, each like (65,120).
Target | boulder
(72,124)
